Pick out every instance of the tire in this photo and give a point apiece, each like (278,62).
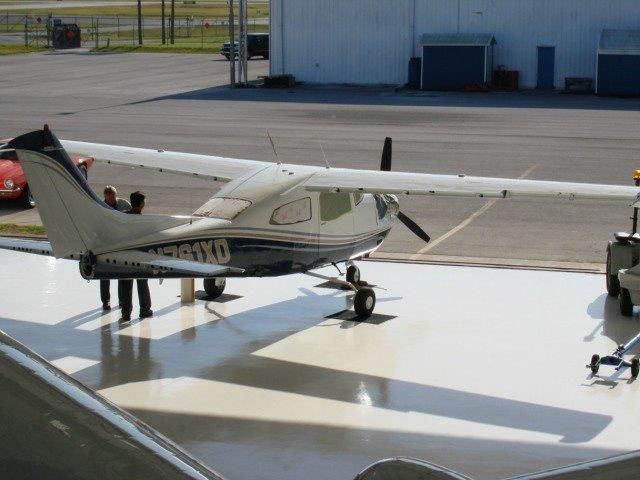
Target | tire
(613,284)
(27,200)
(365,302)
(626,307)
(83,171)
(228,57)
(353,274)
(635,367)
(594,364)
(214,286)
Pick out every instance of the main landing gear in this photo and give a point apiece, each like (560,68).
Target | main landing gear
(214,287)
(364,301)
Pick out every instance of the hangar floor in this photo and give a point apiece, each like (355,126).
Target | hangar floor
(480,370)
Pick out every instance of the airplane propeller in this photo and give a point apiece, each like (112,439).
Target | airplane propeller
(385,166)
(414,227)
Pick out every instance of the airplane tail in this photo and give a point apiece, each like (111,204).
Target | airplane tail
(77,221)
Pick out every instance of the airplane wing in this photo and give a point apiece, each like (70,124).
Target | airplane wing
(143,260)
(208,166)
(370,181)
(37,247)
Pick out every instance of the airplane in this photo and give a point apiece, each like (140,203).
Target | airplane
(269,219)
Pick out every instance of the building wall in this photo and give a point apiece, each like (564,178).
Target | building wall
(370,41)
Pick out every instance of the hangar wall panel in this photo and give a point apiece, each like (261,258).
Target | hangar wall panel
(371,41)
(343,41)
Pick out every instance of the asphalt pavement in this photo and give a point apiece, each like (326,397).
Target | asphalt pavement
(183,103)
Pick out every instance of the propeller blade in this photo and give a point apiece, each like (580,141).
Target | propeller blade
(385,163)
(414,227)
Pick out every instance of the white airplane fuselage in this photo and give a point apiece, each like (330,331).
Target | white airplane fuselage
(277,227)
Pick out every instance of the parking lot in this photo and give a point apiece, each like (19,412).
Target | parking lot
(182,102)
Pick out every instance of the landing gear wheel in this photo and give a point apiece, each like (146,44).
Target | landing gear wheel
(635,367)
(626,307)
(353,274)
(27,199)
(613,284)
(594,366)
(364,302)
(214,286)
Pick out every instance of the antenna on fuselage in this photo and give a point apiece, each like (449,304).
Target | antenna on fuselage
(273,146)
(326,162)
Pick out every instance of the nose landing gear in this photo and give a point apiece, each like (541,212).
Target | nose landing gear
(364,301)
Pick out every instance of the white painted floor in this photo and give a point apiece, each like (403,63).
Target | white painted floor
(479,370)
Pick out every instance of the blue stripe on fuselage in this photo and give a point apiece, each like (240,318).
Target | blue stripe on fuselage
(264,257)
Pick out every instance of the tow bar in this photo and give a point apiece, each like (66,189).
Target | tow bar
(616,359)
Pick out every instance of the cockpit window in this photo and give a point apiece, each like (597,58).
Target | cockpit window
(334,205)
(222,207)
(293,212)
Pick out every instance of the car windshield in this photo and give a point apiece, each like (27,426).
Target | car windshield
(7,154)
(223,207)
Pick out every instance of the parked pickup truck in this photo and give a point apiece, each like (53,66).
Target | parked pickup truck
(257,46)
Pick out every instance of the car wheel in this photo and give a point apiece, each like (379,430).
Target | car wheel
(27,199)
(626,306)
(613,284)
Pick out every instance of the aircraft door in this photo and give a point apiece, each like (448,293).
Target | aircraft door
(296,218)
(336,229)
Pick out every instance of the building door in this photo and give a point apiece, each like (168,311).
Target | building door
(546,67)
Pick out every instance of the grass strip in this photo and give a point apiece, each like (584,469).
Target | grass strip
(20,230)
(13,49)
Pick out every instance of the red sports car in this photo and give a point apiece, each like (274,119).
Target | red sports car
(13,183)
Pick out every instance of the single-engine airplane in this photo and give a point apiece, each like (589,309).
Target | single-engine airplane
(269,219)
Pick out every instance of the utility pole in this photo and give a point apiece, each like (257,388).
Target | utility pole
(232,45)
(164,36)
(242,44)
(139,22)
(172,26)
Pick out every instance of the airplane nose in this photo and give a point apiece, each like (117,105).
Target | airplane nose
(393,205)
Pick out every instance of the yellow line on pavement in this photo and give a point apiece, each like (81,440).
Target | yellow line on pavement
(467,221)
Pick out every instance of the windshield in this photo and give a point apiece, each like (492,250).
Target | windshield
(222,207)
(7,154)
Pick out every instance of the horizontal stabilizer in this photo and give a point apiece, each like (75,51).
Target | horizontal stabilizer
(137,264)
(37,247)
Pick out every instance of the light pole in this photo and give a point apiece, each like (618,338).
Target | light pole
(232,45)
(164,37)
(139,22)
(172,31)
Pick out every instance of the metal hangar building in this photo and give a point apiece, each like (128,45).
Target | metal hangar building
(373,41)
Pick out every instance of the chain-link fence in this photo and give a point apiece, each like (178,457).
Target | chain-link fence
(189,32)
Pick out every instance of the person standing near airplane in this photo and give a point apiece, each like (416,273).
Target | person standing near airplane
(111,198)
(125,287)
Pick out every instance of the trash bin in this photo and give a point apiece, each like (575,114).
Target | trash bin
(66,35)
(415,64)
(513,80)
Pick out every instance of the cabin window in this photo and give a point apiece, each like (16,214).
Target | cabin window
(334,205)
(222,207)
(292,212)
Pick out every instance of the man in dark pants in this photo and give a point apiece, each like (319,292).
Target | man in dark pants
(125,287)
(111,198)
